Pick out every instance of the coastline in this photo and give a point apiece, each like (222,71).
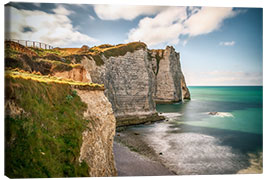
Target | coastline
(134,142)
(130,163)
(140,152)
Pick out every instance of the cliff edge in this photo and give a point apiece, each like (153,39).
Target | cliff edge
(53,129)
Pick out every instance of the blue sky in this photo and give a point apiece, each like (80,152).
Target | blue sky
(218,46)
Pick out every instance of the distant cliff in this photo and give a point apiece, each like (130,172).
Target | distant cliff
(169,79)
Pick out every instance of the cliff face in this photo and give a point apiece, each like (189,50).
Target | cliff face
(170,82)
(129,87)
(76,74)
(56,129)
(96,149)
(136,79)
(96,72)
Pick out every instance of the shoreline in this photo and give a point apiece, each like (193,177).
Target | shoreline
(133,142)
(130,163)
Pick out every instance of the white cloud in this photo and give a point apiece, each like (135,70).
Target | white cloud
(207,20)
(164,27)
(37,4)
(55,29)
(170,23)
(185,42)
(127,12)
(61,10)
(228,43)
(224,78)
(92,17)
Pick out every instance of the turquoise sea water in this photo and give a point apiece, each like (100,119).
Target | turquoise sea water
(242,106)
(194,142)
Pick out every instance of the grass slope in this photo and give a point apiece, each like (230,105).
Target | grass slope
(44,141)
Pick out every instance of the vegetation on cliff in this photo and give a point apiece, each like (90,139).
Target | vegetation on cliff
(14,51)
(36,76)
(157,54)
(122,49)
(44,138)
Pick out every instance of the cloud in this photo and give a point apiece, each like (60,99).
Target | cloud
(55,29)
(169,24)
(164,27)
(228,43)
(37,4)
(224,78)
(127,12)
(92,17)
(206,20)
(61,10)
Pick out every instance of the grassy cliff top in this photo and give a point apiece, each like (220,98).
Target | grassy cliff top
(16,73)
(118,50)
(114,50)
(72,55)
(44,137)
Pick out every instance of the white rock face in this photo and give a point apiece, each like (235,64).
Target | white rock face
(129,87)
(170,82)
(95,72)
(97,146)
(136,81)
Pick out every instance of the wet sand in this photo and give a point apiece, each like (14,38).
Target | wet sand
(130,163)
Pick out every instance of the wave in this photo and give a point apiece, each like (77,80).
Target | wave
(220,114)
(171,115)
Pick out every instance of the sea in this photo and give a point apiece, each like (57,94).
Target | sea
(218,131)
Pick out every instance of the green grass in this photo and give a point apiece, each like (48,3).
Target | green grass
(11,53)
(21,74)
(121,50)
(43,52)
(98,60)
(45,141)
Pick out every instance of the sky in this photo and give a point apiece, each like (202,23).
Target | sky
(218,46)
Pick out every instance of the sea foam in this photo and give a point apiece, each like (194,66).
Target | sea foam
(171,116)
(220,114)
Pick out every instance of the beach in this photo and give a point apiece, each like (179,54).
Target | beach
(135,156)
(130,163)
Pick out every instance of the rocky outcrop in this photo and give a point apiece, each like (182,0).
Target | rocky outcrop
(129,87)
(95,71)
(185,90)
(76,74)
(170,82)
(96,149)
(136,79)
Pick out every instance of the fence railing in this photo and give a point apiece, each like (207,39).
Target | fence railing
(34,44)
